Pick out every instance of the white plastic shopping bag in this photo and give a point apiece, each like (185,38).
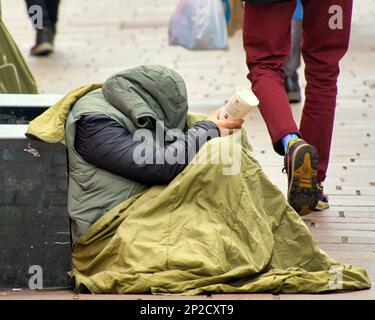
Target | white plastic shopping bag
(199,25)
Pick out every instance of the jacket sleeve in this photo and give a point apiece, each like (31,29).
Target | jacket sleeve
(103,142)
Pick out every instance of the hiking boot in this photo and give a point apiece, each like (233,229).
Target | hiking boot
(292,88)
(44,42)
(323,203)
(301,163)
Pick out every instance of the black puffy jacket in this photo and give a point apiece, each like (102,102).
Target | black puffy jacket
(104,143)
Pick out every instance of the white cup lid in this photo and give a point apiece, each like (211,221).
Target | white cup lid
(247,96)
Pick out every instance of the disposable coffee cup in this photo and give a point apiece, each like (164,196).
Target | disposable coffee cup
(240,104)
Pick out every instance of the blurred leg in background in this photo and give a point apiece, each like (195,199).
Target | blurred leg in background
(44,43)
(291,66)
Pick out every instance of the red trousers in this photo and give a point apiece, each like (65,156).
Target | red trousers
(267,36)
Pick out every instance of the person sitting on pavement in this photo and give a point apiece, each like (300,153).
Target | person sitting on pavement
(151,214)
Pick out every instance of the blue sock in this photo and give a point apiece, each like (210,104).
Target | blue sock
(285,141)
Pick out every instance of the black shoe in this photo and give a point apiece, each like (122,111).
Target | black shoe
(292,88)
(44,42)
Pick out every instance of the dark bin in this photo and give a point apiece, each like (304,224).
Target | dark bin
(34,224)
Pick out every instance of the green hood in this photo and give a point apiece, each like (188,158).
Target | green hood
(147,94)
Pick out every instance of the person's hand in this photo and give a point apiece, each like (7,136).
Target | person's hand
(226,126)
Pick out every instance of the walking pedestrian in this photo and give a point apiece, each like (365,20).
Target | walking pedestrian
(267,36)
(45,36)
